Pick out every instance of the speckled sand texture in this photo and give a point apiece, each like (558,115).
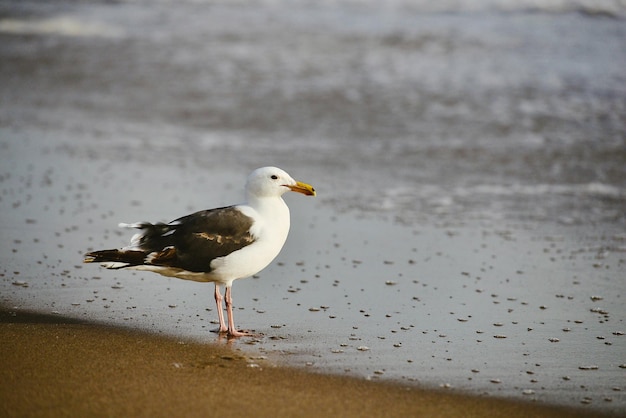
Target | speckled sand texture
(52,367)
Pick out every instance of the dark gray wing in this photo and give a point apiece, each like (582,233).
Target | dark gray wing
(193,241)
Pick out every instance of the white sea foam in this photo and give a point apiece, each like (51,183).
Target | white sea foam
(59,25)
(590,7)
(588,189)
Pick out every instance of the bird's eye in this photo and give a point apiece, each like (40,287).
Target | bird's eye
(274,177)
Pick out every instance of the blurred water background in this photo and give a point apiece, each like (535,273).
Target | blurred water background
(473,109)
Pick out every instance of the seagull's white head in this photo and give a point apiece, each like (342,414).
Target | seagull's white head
(272,181)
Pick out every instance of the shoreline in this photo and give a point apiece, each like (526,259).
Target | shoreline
(57,366)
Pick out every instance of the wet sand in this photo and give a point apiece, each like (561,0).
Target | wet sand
(54,366)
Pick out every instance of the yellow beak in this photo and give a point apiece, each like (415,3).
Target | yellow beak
(305,189)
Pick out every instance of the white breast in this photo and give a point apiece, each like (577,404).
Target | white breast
(270,230)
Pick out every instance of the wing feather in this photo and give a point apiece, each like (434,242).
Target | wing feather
(193,241)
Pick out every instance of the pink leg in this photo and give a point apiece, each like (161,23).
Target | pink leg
(232,331)
(220,312)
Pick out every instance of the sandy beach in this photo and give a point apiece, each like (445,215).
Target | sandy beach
(55,367)
(465,255)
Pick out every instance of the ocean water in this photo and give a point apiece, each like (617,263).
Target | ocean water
(470,160)
(475,109)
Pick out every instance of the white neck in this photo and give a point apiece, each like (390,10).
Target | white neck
(270,207)
(275,213)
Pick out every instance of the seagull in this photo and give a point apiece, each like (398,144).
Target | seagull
(217,245)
